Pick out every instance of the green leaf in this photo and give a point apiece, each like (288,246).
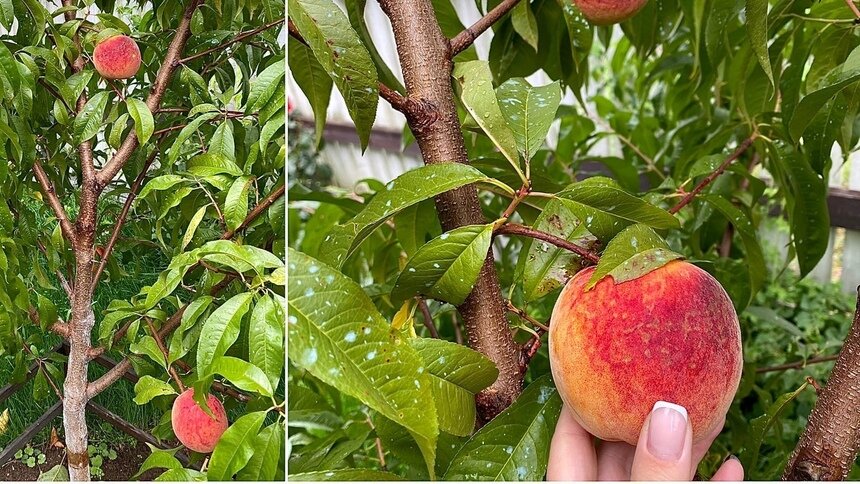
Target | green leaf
(7,15)
(837,79)
(345,475)
(58,473)
(268,446)
(243,375)
(756,16)
(221,329)
(47,312)
(264,86)
(355,12)
(185,134)
(89,121)
(514,446)
(457,374)
(406,190)
(222,143)
(341,53)
(545,267)
(337,334)
(235,447)
(149,387)
(192,226)
(160,183)
(525,24)
(10,68)
(529,111)
(144,124)
(159,459)
(266,338)
(760,425)
(634,252)
(413,224)
(476,91)
(606,208)
(209,164)
(236,202)
(447,267)
(754,254)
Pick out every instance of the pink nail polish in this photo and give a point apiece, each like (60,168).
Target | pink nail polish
(667,431)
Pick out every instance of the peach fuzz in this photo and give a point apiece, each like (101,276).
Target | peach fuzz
(606,12)
(193,427)
(670,335)
(117,57)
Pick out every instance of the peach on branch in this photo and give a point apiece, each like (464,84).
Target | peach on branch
(193,426)
(616,349)
(117,57)
(606,12)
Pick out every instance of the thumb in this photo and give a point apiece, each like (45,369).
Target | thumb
(664,451)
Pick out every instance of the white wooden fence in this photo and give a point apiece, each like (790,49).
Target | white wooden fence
(840,264)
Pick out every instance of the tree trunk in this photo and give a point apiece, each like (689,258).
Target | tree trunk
(425,55)
(829,444)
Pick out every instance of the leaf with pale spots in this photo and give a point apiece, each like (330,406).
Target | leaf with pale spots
(514,446)
(545,267)
(447,267)
(351,350)
(761,424)
(404,191)
(457,373)
(634,252)
(529,111)
(476,91)
(606,208)
(339,475)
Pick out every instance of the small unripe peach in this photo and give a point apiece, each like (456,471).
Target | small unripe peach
(670,335)
(117,57)
(193,427)
(606,12)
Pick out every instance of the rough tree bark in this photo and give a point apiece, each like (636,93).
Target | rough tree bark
(425,56)
(831,440)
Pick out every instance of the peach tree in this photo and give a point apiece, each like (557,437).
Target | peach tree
(417,306)
(148,131)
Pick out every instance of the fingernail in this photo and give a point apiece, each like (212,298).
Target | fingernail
(730,457)
(667,431)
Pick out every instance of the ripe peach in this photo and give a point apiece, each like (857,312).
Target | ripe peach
(669,335)
(606,12)
(117,57)
(193,427)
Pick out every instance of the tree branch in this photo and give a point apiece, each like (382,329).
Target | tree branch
(428,318)
(153,102)
(239,38)
(123,215)
(54,202)
(797,364)
(830,442)
(85,149)
(465,38)
(517,229)
(853,8)
(256,211)
(719,171)
(59,327)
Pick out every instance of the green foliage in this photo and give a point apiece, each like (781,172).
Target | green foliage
(737,101)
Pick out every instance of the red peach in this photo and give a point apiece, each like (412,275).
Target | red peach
(117,57)
(193,427)
(606,12)
(670,335)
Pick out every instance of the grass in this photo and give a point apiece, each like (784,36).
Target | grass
(24,409)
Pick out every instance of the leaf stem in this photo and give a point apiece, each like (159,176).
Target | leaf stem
(517,229)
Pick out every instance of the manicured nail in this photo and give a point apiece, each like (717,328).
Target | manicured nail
(730,457)
(667,431)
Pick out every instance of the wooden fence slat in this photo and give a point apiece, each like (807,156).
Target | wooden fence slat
(27,435)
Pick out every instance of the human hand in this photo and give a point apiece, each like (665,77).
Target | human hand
(665,451)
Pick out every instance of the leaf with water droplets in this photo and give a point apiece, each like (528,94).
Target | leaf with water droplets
(529,112)
(634,252)
(514,446)
(337,334)
(447,267)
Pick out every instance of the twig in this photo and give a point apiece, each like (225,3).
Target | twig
(517,229)
(239,38)
(253,214)
(465,38)
(123,215)
(44,371)
(428,318)
(62,278)
(54,202)
(521,195)
(458,333)
(719,171)
(379,451)
(853,8)
(647,159)
(796,365)
(59,327)
(227,115)
(160,344)
(519,312)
